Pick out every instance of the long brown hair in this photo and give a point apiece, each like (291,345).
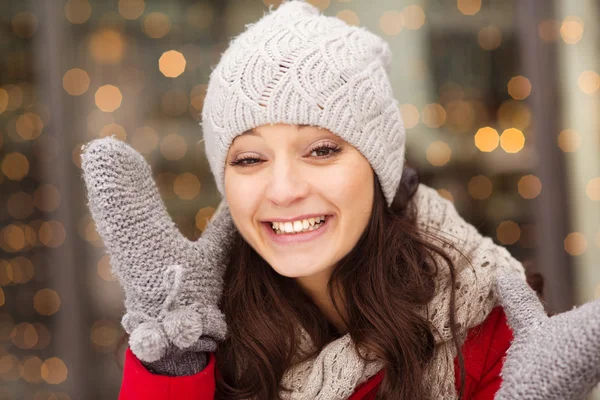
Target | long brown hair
(382,282)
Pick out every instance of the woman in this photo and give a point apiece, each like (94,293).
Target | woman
(329,273)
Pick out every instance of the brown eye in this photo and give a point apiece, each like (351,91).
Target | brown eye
(325,151)
(245,162)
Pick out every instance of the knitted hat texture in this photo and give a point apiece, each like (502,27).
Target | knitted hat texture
(297,66)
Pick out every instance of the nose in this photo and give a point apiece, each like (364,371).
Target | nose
(287,185)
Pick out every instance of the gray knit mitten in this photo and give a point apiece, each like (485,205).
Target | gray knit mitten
(172,285)
(550,358)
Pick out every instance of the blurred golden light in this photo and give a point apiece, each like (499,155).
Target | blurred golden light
(529,186)
(589,82)
(320,4)
(571,29)
(22,269)
(87,229)
(414,17)
(54,371)
(24,336)
(487,139)
(410,115)
(108,98)
(569,140)
(104,334)
(461,115)
(76,81)
(107,46)
(32,372)
(446,194)
(199,15)
(173,147)
(186,186)
(6,276)
(30,235)
(157,25)
(549,30)
(592,189)
(391,22)
(519,87)
(6,326)
(131,9)
(514,114)
(174,103)
(144,140)
(29,126)
(46,197)
(15,97)
(512,140)
(349,16)
(25,24)
(480,187)
(105,269)
(78,11)
(489,38)
(43,336)
(10,368)
(113,129)
(52,233)
(171,64)
(433,115)
(3,100)
(438,153)
(19,205)
(164,181)
(46,302)
(203,217)
(14,238)
(508,232)
(15,166)
(197,95)
(469,7)
(575,243)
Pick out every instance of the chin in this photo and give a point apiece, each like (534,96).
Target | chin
(295,269)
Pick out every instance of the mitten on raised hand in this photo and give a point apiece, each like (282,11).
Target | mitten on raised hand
(550,358)
(172,285)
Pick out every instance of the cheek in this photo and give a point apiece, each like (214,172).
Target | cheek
(351,189)
(242,198)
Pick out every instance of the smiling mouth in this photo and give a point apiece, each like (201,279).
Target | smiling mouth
(292,228)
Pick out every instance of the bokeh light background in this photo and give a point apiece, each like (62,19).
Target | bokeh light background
(500,100)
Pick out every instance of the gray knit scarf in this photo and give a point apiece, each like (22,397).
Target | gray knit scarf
(336,372)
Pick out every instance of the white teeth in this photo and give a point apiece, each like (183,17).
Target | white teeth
(288,227)
(298,226)
(305,225)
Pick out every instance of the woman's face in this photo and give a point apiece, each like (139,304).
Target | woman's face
(290,176)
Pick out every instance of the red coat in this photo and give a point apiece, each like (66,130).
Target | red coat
(483,351)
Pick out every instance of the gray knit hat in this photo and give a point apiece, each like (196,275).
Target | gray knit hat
(296,66)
